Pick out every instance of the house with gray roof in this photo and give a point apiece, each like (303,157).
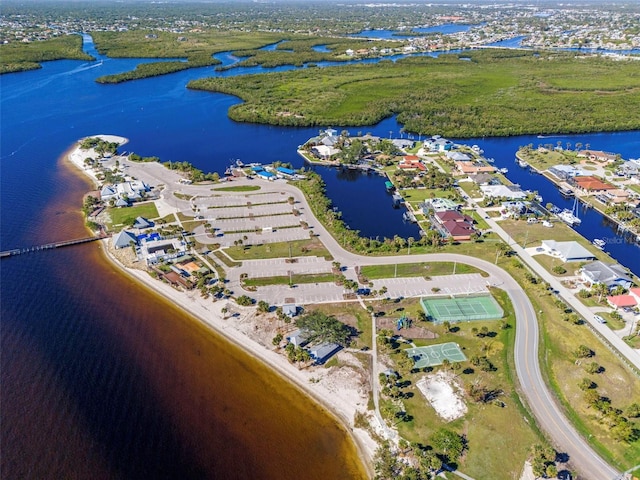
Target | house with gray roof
(124,239)
(567,251)
(299,338)
(402,143)
(458,156)
(323,351)
(290,310)
(565,172)
(142,222)
(612,275)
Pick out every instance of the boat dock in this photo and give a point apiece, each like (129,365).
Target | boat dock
(49,246)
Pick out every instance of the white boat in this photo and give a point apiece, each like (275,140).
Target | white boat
(567,192)
(538,198)
(503,170)
(570,216)
(522,163)
(599,243)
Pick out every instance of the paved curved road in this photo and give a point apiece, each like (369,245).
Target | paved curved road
(539,399)
(541,402)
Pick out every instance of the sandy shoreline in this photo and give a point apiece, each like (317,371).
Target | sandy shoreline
(336,391)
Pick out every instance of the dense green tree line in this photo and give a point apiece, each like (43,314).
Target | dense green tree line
(18,57)
(495,93)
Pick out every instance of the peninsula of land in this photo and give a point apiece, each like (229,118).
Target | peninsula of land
(219,250)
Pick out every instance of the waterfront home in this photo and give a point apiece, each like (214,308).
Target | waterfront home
(467,167)
(402,144)
(437,144)
(177,280)
(597,155)
(411,162)
(484,179)
(612,275)
(458,156)
(590,185)
(617,195)
(324,152)
(452,224)
(567,251)
(438,204)
(565,172)
(299,338)
(510,192)
(124,239)
(323,351)
(630,168)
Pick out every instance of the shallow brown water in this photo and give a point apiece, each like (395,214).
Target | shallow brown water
(103,379)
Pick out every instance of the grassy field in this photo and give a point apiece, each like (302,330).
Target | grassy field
(533,234)
(491,430)
(126,216)
(488,95)
(238,188)
(418,195)
(293,279)
(226,260)
(296,248)
(559,339)
(471,188)
(431,269)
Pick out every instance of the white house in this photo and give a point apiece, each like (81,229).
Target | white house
(567,251)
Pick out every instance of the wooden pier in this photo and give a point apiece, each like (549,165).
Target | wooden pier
(49,246)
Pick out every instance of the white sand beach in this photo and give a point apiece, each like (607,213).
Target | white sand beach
(342,390)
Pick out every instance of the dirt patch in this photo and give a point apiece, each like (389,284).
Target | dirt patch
(411,332)
(444,394)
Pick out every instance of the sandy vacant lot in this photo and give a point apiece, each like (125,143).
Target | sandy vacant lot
(444,394)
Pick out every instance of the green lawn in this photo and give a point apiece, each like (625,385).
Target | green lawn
(296,248)
(491,430)
(471,188)
(559,339)
(238,188)
(126,215)
(294,279)
(431,269)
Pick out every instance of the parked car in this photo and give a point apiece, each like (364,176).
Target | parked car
(599,319)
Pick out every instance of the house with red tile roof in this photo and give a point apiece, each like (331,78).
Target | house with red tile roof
(589,184)
(409,162)
(455,225)
(622,301)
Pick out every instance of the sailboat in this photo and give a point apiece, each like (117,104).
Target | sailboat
(570,216)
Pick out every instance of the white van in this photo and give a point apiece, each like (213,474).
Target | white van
(599,319)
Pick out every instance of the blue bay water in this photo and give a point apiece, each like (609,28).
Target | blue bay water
(70,328)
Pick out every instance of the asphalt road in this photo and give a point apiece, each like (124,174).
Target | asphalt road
(539,399)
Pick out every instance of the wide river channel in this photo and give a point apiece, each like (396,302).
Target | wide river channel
(102,379)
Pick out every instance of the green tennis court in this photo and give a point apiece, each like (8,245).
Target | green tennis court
(458,309)
(435,354)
